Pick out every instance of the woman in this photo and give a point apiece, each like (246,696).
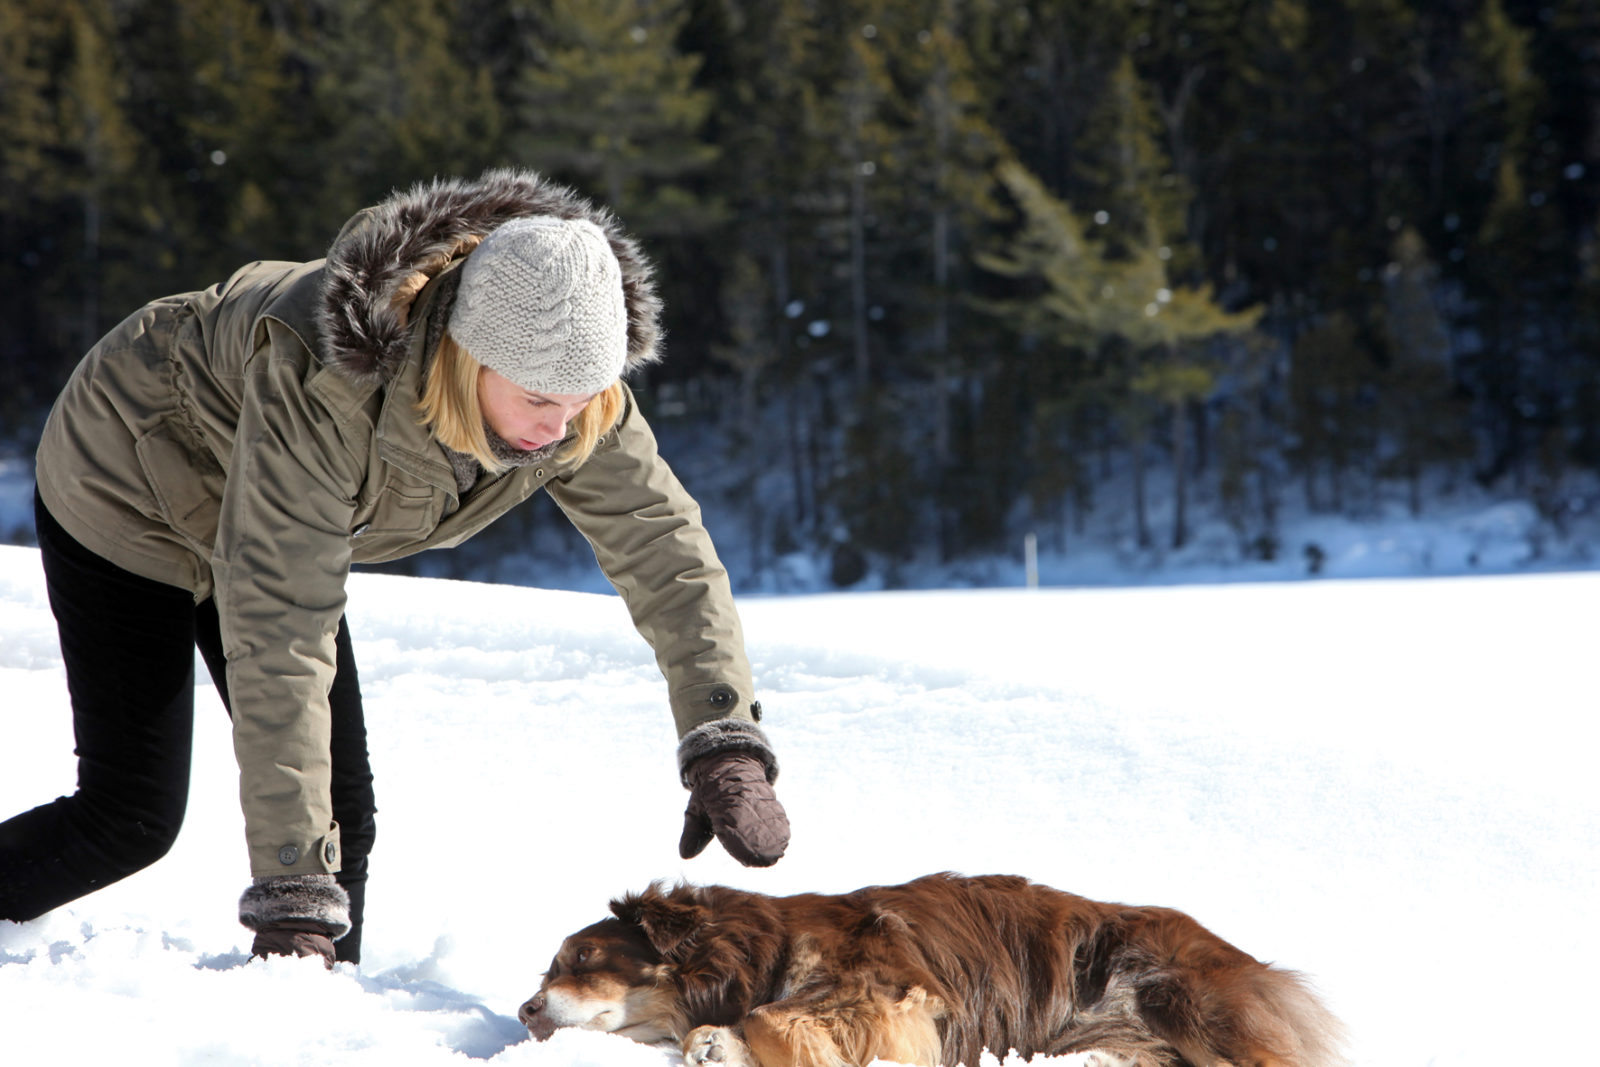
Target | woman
(219,460)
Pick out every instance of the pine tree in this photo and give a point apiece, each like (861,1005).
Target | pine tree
(1331,398)
(26,29)
(96,130)
(1519,240)
(759,59)
(843,188)
(862,143)
(945,152)
(1247,447)
(1124,307)
(1131,190)
(31,37)
(1419,412)
(229,94)
(1136,206)
(401,98)
(608,101)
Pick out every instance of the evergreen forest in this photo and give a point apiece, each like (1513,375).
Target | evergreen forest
(935,271)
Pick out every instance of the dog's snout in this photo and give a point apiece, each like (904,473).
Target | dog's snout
(531,1015)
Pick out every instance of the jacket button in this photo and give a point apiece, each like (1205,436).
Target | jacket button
(330,851)
(287,855)
(721,698)
(755,711)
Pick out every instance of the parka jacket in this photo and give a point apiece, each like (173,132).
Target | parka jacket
(252,440)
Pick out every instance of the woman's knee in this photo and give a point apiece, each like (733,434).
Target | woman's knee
(129,836)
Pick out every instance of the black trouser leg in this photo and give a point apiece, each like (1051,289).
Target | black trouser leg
(354,807)
(128,646)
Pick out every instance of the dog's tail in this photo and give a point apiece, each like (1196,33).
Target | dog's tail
(1317,1037)
(1273,1018)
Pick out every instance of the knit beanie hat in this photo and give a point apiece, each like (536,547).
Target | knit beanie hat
(541,303)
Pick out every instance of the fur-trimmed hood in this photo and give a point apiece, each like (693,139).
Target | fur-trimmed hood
(385,255)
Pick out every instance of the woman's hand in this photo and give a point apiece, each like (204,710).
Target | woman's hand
(730,798)
(296,915)
(294,937)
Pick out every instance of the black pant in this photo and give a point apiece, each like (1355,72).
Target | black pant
(128,645)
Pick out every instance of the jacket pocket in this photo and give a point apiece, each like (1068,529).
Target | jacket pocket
(406,511)
(186,481)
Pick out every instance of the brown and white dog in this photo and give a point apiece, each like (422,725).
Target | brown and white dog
(930,972)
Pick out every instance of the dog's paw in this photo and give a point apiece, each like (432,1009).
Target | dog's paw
(716,1046)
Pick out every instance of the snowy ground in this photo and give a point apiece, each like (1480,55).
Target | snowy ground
(1387,785)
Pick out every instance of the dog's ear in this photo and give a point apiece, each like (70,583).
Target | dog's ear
(669,919)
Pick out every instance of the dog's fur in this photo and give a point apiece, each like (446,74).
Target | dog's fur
(930,972)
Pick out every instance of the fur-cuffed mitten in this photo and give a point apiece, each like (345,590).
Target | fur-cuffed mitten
(295,915)
(725,735)
(729,769)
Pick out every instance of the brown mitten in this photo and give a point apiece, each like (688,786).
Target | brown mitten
(730,797)
(294,937)
(296,915)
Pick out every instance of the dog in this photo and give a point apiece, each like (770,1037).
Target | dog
(932,972)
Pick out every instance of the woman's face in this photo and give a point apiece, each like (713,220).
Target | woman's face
(524,419)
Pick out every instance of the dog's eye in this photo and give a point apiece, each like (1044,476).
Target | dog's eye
(584,954)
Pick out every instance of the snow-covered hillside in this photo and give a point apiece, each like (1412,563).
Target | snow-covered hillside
(1386,785)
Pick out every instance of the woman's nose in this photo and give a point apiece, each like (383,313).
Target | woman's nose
(551,425)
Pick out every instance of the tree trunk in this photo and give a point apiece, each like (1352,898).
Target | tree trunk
(858,274)
(778,268)
(91,269)
(1180,477)
(941,249)
(1140,519)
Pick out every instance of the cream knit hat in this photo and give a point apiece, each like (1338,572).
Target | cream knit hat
(541,303)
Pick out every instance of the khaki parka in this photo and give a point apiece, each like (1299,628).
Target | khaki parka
(252,440)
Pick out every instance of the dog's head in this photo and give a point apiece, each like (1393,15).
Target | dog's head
(631,974)
(606,977)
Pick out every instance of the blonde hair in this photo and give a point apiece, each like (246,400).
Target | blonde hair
(450,410)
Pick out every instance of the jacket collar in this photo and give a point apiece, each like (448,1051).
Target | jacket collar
(402,438)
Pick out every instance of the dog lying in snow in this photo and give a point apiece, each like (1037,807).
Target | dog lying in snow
(930,972)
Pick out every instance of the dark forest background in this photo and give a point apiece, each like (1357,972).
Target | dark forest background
(937,271)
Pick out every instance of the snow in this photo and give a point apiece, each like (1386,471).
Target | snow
(1385,784)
